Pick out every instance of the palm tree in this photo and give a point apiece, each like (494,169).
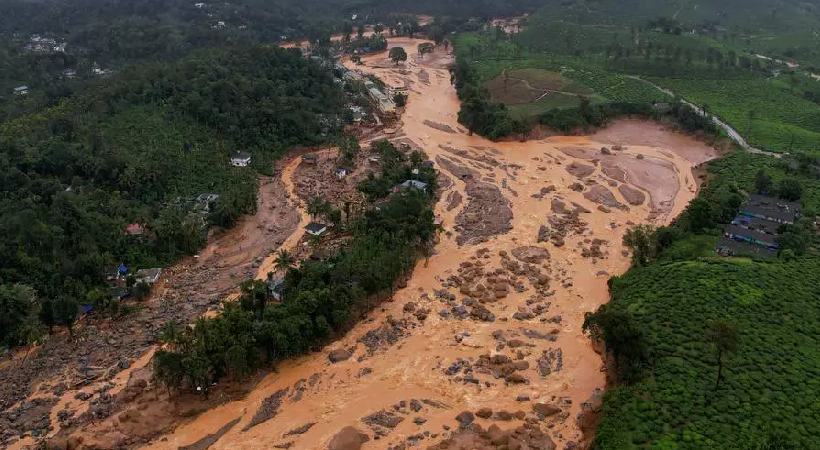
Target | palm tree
(283,261)
(315,206)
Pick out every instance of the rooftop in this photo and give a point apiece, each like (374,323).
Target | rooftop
(738,231)
(414,184)
(315,227)
(785,216)
(241,156)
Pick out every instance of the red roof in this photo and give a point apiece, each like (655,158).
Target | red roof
(134,229)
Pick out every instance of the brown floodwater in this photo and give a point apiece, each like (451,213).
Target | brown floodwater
(412,366)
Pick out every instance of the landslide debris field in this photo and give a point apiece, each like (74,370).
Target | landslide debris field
(482,348)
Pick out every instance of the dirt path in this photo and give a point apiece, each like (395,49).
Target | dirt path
(97,363)
(493,328)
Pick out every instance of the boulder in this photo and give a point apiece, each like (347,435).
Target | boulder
(484,413)
(545,410)
(348,438)
(338,355)
(465,418)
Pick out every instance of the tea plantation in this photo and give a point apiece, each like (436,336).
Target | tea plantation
(772,382)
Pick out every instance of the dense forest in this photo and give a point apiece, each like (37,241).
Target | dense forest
(322,299)
(139,150)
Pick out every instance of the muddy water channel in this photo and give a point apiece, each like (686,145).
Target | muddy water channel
(491,324)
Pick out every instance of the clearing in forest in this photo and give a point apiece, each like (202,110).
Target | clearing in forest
(533,91)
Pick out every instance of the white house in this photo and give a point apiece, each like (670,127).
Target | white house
(241,159)
(21,90)
(316,228)
(199,5)
(149,276)
(340,173)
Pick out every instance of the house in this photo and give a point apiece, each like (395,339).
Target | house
(772,215)
(751,236)
(412,184)
(135,229)
(122,271)
(397,90)
(340,173)
(427,164)
(316,228)
(69,73)
(310,158)
(241,159)
(662,108)
(357,112)
(276,288)
(204,201)
(199,5)
(21,90)
(149,276)
(375,159)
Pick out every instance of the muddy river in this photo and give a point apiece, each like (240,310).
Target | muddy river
(491,324)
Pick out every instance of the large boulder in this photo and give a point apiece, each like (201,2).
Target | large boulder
(531,254)
(339,355)
(348,438)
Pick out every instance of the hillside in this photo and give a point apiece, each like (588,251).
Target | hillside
(139,150)
(748,15)
(769,389)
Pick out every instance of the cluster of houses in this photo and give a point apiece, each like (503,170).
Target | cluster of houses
(754,230)
(40,44)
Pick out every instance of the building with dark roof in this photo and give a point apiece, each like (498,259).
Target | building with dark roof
(751,236)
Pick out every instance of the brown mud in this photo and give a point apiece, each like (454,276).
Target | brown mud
(483,347)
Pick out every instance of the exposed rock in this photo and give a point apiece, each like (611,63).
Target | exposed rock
(544,410)
(531,254)
(339,355)
(580,170)
(348,438)
(543,234)
(465,418)
(300,430)
(631,195)
(484,413)
(602,195)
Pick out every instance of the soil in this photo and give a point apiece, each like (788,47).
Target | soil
(482,347)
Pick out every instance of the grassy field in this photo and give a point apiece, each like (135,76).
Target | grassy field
(528,92)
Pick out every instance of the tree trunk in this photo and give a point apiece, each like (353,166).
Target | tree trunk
(720,369)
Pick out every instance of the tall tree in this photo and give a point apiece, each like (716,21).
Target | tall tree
(725,337)
(397,54)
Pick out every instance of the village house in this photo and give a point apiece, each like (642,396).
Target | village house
(135,229)
(310,158)
(751,236)
(21,90)
(315,228)
(754,230)
(199,5)
(412,184)
(340,173)
(149,276)
(241,159)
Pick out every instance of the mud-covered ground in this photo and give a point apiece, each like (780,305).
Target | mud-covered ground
(483,348)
